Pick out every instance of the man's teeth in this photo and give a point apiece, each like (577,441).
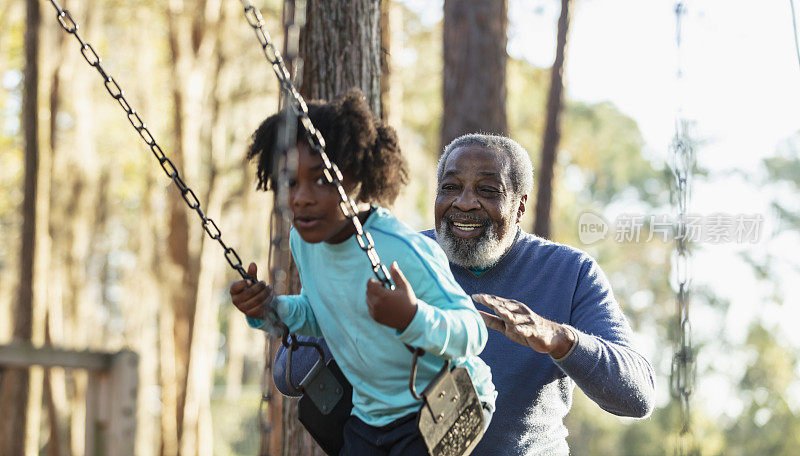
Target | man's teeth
(466,226)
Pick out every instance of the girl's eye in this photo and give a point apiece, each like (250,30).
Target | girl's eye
(292,182)
(321,181)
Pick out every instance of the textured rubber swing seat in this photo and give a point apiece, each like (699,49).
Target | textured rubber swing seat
(451,419)
(325,405)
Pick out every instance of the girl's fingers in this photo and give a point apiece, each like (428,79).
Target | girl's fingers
(257,301)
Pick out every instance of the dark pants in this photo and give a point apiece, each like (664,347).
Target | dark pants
(398,438)
(401,437)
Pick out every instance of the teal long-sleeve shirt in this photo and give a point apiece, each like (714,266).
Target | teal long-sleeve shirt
(332,304)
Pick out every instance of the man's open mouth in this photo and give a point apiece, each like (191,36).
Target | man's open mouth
(467,227)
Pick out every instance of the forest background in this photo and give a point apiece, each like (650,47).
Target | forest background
(118,264)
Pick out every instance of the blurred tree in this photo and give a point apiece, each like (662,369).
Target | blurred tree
(474,75)
(16,424)
(767,426)
(552,129)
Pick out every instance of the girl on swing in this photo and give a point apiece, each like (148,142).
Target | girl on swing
(366,325)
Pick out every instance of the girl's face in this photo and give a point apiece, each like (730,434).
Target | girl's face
(315,203)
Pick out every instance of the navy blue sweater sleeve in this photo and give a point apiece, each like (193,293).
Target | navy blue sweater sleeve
(603,363)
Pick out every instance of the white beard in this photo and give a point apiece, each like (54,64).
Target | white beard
(481,252)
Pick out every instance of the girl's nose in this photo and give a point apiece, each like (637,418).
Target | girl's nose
(301,195)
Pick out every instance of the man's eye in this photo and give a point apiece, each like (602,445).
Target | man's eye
(490,191)
(449,187)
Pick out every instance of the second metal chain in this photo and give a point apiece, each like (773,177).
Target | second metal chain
(683,373)
(316,142)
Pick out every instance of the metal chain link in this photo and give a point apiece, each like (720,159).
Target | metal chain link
(683,372)
(316,142)
(284,166)
(93,59)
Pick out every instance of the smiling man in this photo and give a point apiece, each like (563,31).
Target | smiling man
(557,323)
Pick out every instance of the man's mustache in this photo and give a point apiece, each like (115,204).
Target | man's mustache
(467,218)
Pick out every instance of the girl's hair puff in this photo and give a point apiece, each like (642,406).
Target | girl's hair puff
(364,147)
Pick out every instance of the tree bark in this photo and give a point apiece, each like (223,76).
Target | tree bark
(341,49)
(474,77)
(552,130)
(16,382)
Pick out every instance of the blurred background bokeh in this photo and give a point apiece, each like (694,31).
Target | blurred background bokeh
(119,263)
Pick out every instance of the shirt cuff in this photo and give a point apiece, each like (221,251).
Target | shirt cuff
(576,333)
(255,323)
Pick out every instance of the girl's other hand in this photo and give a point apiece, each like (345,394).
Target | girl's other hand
(251,297)
(394,308)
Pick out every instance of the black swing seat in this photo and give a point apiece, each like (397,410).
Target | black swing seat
(325,405)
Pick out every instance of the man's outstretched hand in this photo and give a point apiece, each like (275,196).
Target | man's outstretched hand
(524,326)
(251,297)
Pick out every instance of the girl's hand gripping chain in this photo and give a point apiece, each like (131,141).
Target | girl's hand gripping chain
(394,308)
(252,298)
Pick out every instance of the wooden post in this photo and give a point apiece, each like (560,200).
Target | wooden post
(124,383)
(111,392)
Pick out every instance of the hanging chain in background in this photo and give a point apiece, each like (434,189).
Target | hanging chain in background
(682,376)
(93,59)
(794,29)
(284,166)
(315,141)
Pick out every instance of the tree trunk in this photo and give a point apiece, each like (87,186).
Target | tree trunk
(341,48)
(193,28)
(552,129)
(16,383)
(474,89)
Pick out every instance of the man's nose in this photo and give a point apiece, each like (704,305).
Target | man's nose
(466,201)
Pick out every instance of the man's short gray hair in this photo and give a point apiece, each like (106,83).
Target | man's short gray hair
(520,166)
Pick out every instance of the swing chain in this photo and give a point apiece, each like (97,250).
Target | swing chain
(331,172)
(280,220)
(683,372)
(91,56)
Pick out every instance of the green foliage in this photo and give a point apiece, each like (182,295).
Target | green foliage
(783,171)
(608,147)
(767,426)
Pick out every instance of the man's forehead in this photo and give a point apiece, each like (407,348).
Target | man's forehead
(477,160)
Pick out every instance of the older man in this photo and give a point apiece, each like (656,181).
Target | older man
(557,323)
(570,329)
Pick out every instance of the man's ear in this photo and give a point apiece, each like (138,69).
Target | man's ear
(521,209)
